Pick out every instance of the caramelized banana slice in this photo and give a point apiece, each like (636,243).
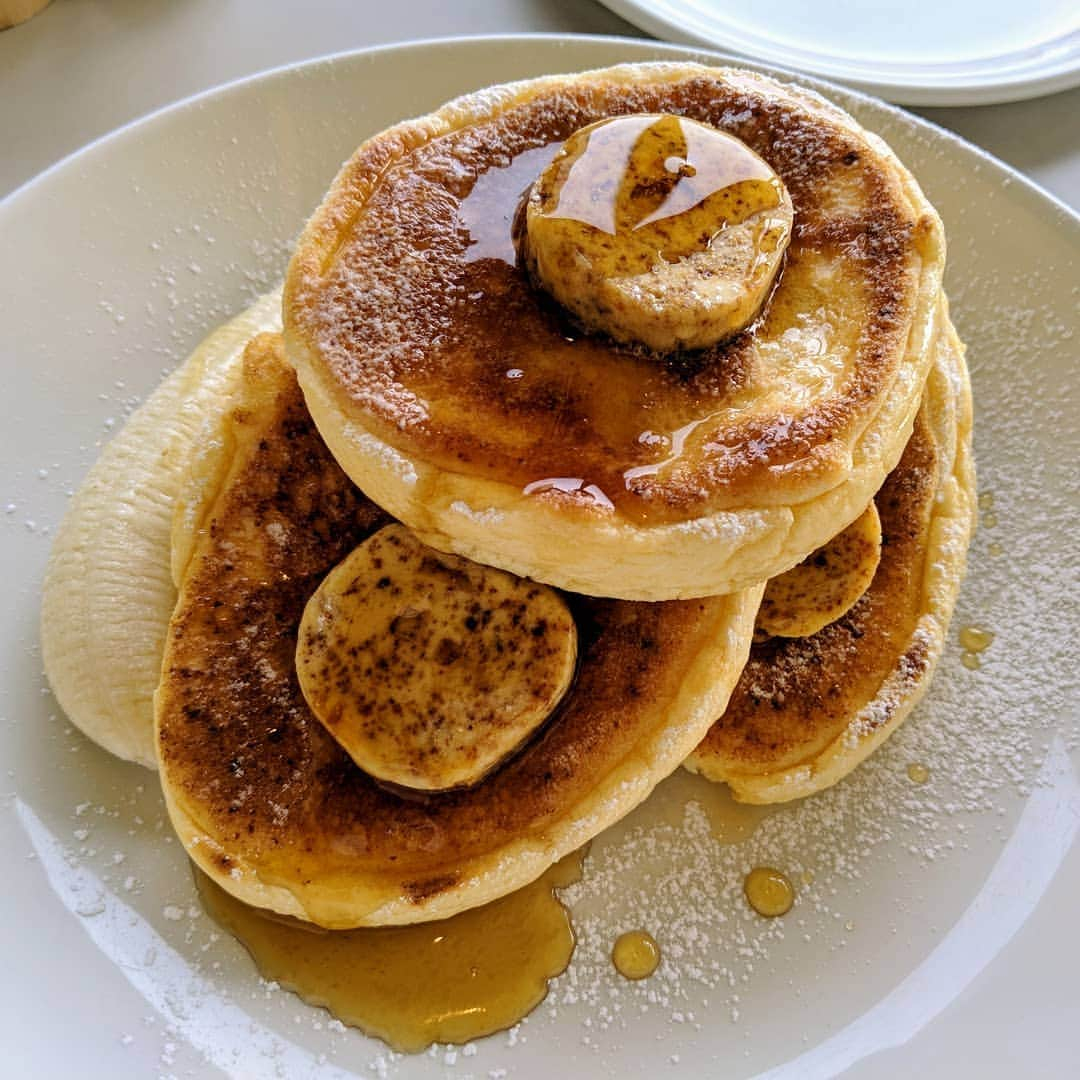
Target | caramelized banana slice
(657,229)
(824,586)
(427,668)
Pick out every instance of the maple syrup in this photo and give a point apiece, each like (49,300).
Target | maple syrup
(730,821)
(663,185)
(918,773)
(601,424)
(768,891)
(635,955)
(449,981)
(488,211)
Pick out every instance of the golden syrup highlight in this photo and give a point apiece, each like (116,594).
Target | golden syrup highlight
(487,212)
(731,822)
(605,436)
(635,955)
(449,981)
(768,891)
(663,185)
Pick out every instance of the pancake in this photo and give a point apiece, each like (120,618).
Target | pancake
(274,809)
(806,711)
(465,402)
(108,594)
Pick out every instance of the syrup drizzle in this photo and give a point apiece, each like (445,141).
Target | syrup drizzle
(974,640)
(612,397)
(918,773)
(487,213)
(666,187)
(731,822)
(769,892)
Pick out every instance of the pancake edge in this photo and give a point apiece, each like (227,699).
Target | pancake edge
(495,523)
(952,524)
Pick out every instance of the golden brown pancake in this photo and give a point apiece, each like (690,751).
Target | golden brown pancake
(807,710)
(276,811)
(464,401)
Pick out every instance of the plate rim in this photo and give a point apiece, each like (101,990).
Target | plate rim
(980,89)
(86,152)
(141,126)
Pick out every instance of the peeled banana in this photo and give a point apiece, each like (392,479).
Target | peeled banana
(109,591)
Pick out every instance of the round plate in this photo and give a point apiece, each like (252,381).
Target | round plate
(969,52)
(949,900)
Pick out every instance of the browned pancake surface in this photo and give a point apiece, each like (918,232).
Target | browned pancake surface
(244,758)
(438,344)
(798,695)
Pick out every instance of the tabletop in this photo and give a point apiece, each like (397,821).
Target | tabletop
(84,67)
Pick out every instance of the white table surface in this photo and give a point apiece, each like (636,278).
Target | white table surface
(84,67)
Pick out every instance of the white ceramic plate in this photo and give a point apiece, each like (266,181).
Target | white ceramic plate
(933,936)
(914,52)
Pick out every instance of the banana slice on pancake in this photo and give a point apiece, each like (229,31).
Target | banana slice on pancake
(826,584)
(108,593)
(265,798)
(681,247)
(808,709)
(428,669)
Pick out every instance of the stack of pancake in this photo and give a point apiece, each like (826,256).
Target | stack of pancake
(606,423)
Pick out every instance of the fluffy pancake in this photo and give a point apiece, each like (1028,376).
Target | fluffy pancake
(807,710)
(466,404)
(267,802)
(108,595)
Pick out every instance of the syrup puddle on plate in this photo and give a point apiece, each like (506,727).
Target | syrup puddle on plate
(450,981)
